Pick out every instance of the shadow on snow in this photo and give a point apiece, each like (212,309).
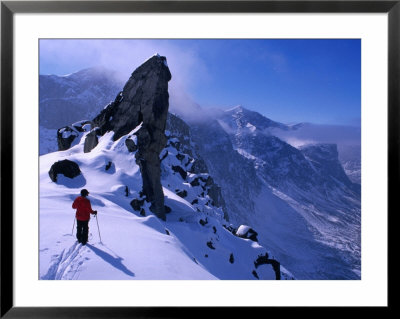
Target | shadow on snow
(116,262)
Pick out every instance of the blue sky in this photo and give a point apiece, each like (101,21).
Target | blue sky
(290,81)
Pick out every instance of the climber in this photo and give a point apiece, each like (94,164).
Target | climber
(83,211)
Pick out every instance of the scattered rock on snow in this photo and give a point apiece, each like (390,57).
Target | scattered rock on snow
(245,231)
(203,222)
(195,182)
(182,193)
(180,170)
(210,245)
(66,167)
(108,166)
(137,204)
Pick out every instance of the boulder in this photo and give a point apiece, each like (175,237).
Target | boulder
(65,136)
(180,171)
(68,168)
(130,144)
(137,204)
(245,231)
(210,245)
(195,182)
(182,193)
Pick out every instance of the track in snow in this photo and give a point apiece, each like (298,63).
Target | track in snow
(65,265)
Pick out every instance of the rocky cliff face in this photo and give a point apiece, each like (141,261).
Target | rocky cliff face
(234,173)
(192,174)
(142,102)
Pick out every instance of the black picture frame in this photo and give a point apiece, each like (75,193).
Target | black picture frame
(9,8)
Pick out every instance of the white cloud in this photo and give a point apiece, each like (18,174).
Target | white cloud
(124,56)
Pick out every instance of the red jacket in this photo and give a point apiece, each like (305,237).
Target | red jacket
(83,208)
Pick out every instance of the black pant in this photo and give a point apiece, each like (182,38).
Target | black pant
(82,231)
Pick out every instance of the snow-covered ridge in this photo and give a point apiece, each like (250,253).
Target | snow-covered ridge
(192,244)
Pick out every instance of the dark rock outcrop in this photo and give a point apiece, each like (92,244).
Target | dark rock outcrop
(195,182)
(210,245)
(246,232)
(180,171)
(137,204)
(203,222)
(255,274)
(215,194)
(276,266)
(65,136)
(66,167)
(143,101)
(180,156)
(182,193)
(130,144)
(91,141)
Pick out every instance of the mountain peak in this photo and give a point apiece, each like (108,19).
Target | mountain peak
(237,108)
(155,62)
(239,116)
(95,71)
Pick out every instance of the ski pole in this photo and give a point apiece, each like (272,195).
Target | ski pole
(98,227)
(73,227)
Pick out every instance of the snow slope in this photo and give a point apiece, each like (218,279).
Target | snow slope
(133,246)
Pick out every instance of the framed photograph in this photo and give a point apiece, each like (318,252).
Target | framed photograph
(161,156)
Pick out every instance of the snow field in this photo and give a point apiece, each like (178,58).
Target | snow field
(132,246)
